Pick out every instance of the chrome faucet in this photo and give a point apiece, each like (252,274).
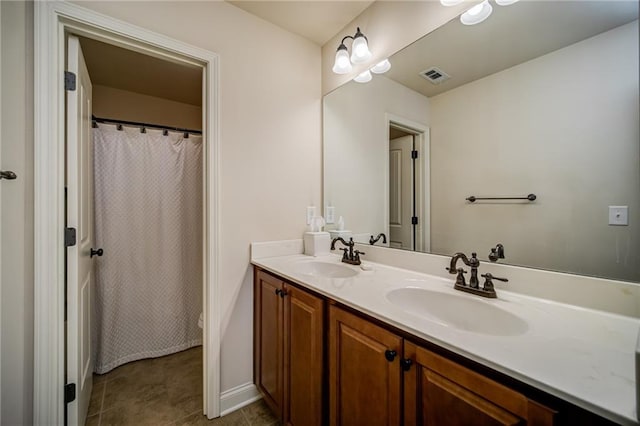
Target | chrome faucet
(473,263)
(497,252)
(350,255)
(372,240)
(473,287)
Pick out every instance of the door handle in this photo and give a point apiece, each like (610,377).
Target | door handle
(98,252)
(9,175)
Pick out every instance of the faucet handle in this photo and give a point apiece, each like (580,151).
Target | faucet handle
(488,284)
(460,277)
(345,255)
(488,276)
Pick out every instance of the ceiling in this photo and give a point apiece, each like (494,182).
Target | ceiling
(315,20)
(510,36)
(124,69)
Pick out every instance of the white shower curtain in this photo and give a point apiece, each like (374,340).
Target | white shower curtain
(148,220)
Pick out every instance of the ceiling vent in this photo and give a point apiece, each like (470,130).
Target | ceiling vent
(435,75)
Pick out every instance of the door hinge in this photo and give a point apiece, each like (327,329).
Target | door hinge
(69,80)
(414,154)
(414,220)
(69,392)
(69,237)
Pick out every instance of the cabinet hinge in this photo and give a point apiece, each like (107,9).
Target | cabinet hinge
(69,237)
(414,220)
(69,81)
(69,392)
(414,154)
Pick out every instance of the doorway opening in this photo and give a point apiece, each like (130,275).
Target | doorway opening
(53,22)
(409,219)
(134,198)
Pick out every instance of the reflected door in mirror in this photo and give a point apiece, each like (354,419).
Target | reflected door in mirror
(401,193)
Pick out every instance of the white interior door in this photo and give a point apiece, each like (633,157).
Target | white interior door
(79,183)
(401,193)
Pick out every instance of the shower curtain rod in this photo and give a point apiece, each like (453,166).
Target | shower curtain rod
(143,125)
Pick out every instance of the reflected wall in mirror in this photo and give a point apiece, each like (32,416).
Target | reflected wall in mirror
(541,98)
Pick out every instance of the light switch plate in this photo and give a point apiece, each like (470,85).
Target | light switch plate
(619,215)
(330,214)
(311,213)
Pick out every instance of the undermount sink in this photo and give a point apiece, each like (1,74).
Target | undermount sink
(325,270)
(461,312)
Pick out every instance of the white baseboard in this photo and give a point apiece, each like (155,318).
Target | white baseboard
(236,398)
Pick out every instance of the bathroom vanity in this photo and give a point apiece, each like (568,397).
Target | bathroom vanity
(336,344)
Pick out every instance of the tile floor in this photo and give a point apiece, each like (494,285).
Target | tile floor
(162,391)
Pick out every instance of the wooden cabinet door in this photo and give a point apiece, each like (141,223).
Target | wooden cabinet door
(269,340)
(303,343)
(364,379)
(440,392)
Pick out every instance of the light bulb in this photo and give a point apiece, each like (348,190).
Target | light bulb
(381,67)
(342,65)
(360,49)
(505,2)
(477,13)
(450,2)
(364,77)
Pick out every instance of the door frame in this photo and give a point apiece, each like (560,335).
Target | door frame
(423,183)
(52,21)
(0,213)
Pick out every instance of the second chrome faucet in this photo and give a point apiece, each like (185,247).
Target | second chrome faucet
(350,255)
(473,287)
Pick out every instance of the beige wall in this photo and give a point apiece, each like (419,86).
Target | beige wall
(356,148)
(129,106)
(270,131)
(16,152)
(389,26)
(556,126)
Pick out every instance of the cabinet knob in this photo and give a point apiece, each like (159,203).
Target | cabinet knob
(278,291)
(390,355)
(406,364)
(283,293)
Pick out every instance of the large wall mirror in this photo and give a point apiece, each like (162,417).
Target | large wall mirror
(541,98)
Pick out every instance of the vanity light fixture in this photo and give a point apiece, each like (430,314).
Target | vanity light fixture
(360,53)
(505,2)
(477,13)
(342,64)
(364,77)
(450,2)
(381,67)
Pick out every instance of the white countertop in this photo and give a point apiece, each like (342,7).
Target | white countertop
(583,356)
